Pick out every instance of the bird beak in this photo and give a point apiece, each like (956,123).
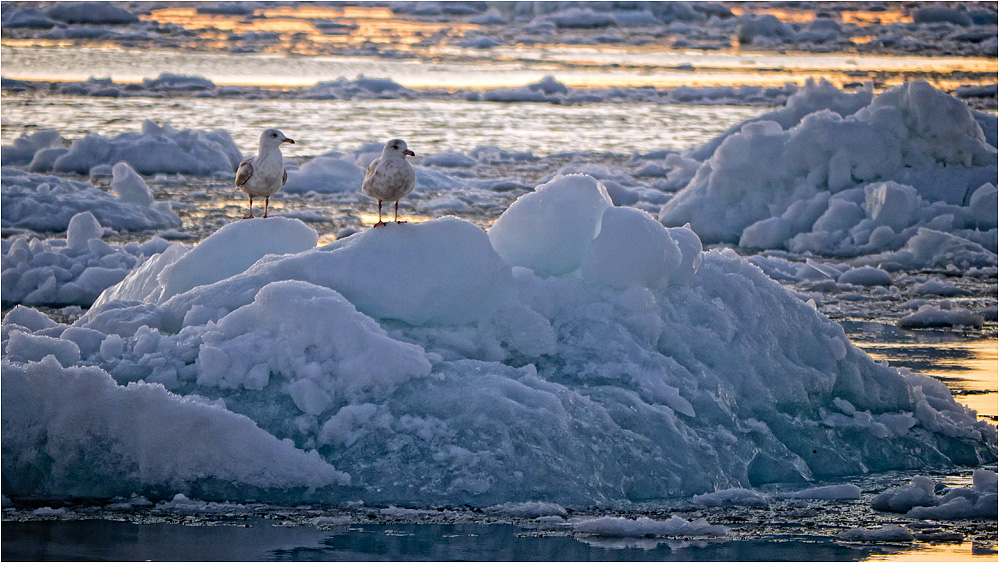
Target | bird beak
(287,140)
(408,152)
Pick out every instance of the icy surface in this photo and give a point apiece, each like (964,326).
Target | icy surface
(422,350)
(49,203)
(646,527)
(70,271)
(845,174)
(918,499)
(156,149)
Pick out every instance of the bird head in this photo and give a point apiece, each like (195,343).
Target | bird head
(397,148)
(273,138)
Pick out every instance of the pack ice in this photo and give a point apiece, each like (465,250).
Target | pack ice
(841,174)
(552,359)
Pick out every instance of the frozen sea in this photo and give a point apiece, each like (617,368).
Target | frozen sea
(605,135)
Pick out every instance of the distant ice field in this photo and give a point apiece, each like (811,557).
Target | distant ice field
(429,126)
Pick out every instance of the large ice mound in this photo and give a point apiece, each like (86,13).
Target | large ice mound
(846,174)
(426,368)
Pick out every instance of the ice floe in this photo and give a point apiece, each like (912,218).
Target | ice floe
(841,174)
(435,362)
(919,499)
(48,203)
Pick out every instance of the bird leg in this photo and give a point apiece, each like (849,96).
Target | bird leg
(250,215)
(397,213)
(380,223)
(267,201)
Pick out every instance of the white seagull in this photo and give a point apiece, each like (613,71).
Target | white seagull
(264,174)
(390,177)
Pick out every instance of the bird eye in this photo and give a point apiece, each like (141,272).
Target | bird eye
(273,134)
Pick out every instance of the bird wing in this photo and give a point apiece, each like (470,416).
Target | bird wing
(244,172)
(284,177)
(372,168)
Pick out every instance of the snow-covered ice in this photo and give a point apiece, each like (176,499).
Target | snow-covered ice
(488,368)
(48,203)
(845,174)
(156,149)
(918,499)
(70,271)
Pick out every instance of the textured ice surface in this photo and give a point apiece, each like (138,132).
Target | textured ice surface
(157,148)
(918,499)
(48,203)
(70,271)
(846,174)
(425,368)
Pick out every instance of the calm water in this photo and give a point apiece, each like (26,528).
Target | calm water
(429,126)
(261,540)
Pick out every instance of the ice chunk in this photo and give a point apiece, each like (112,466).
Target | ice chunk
(731,497)
(984,203)
(891,204)
(866,276)
(550,229)
(129,186)
(643,527)
(891,533)
(632,248)
(829,492)
(930,316)
(919,492)
(31,319)
(149,437)
(82,228)
(48,203)
(232,249)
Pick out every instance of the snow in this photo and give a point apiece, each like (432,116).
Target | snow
(918,499)
(48,203)
(156,149)
(846,174)
(435,362)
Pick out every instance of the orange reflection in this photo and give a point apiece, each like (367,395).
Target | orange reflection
(857,17)
(301,28)
(964,551)
(970,368)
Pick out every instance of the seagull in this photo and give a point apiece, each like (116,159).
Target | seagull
(390,177)
(264,174)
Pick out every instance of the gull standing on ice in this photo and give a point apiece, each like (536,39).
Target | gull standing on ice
(390,177)
(264,174)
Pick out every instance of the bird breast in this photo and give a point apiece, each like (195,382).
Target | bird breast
(389,180)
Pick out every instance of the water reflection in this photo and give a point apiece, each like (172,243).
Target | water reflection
(969,367)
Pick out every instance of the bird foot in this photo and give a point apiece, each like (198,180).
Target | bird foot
(380,224)
(249,216)
(401,222)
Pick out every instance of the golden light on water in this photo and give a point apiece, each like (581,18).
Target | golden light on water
(808,14)
(971,368)
(302,25)
(963,551)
